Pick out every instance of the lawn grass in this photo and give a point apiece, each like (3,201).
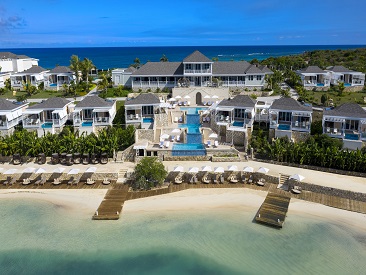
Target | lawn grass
(119,104)
(40,94)
(354,97)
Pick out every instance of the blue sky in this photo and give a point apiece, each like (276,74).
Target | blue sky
(70,23)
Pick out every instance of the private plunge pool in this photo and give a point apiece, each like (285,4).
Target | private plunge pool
(189,149)
(87,124)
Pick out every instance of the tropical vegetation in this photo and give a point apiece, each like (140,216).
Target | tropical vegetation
(149,172)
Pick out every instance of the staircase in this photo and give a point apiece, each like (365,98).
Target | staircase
(283,181)
(122,175)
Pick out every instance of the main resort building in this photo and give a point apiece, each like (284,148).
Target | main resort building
(196,70)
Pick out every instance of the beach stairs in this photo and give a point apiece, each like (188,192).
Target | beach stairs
(111,206)
(122,175)
(282,182)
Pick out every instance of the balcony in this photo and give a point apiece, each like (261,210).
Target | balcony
(147,84)
(232,83)
(206,71)
(334,132)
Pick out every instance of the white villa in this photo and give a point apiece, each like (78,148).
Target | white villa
(48,116)
(10,62)
(196,70)
(346,122)
(55,78)
(32,76)
(348,77)
(10,115)
(288,117)
(123,76)
(314,77)
(93,113)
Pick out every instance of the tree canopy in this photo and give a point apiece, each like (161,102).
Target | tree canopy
(149,172)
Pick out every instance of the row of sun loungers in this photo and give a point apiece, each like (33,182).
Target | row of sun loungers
(219,178)
(56,181)
(215,144)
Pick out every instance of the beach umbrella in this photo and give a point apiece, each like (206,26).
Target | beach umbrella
(10,171)
(73,171)
(213,135)
(206,168)
(248,169)
(91,169)
(215,96)
(297,177)
(172,99)
(233,168)
(187,97)
(178,97)
(207,96)
(193,170)
(28,170)
(176,131)
(219,169)
(263,170)
(39,171)
(58,170)
(164,136)
(178,169)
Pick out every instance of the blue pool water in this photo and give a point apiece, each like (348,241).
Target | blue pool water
(147,120)
(53,85)
(320,85)
(351,136)
(191,128)
(238,124)
(192,110)
(284,127)
(87,123)
(347,84)
(189,149)
(47,125)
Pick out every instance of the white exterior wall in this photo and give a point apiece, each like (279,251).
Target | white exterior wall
(119,77)
(6,65)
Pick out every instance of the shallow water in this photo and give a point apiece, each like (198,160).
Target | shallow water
(40,237)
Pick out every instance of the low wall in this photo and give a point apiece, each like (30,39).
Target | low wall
(225,159)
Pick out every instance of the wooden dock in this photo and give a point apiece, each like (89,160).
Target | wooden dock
(111,206)
(273,210)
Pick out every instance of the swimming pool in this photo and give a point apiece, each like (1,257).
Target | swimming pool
(53,85)
(284,127)
(147,120)
(192,110)
(351,136)
(87,123)
(47,125)
(191,128)
(188,149)
(238,124)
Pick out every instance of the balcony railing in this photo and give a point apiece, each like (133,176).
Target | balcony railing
(264,117)
(206,71)
(153,84)
(301,126)
(101,120)
(336,132)
(9,124)
(32,122)
(223,119)
(232,83)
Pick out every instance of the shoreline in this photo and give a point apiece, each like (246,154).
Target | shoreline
(84,202)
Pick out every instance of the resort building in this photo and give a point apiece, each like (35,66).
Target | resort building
(262,106)
(10,115)
(314,77)
(32,76)
(348,77)
(197,70)
(48,116)
(233,119)
(10,62)
(123,76)
(289,118)
(140,111)
(3,78)
(346,122)
(55,78)
(93,113)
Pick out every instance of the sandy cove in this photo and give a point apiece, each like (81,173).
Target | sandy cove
(84,202)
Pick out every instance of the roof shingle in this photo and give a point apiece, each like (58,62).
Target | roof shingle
(143,99)
(238,101)
(197,56)
(51,103)
(160,68)
(289,104)
(347,110)
(94,102)
(6,105)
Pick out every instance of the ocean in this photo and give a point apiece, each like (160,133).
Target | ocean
(122,57)
(39,237)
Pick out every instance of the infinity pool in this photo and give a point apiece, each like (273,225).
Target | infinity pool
(192,110)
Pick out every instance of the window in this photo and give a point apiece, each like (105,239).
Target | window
(48,114)
(250,77)
(206,66)
(88,113)
(147,110)
(284,116)
(188,66)
(351,124)
(239,113)
(259,77)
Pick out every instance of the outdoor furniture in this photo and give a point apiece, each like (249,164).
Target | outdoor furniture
(209,143)
(161,144)
(261,182)
(93,158)
(250,180)
(63,158)
(167,144)
(69,159)
(104,158)
(41,158)
(178,138)
(205,179)
(7,181)
(56,181)
(222,179)
(26,181)
(77,158)
(178,180)
(71,180)
(216,143)
(17,159)
(54,158)
(296,190)
(12,181)
(233,179)
(106,181)
(85,158)
(90,181)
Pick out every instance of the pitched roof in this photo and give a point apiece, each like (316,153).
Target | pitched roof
(339,69)
(265,69)
(6,105)
(238,101)
(94,102)
(9,55)
(51,103)
(289,104)
(143,99)
(347,110)
(230,67)
(34,70)
(160,68)
(313,70)
(130,69)
(60,70)
(196,56)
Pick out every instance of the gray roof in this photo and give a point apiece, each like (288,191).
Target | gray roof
(230,67)
(94,102)
(160,68)
(6,105)
(143,99)
(265,69)
(130,69)
(51,103)
(289,104)
(34,70)
(197,56)
(9,55)
(60,70)
(347,110)
(238,101)
(313,70)
(339,69)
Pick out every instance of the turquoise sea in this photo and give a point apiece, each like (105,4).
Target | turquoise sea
(43,238)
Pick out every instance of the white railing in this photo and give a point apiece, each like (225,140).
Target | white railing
(232,83)
(207,71)
(9,124)
(101,120)
(144,84)
(59,122)
(259,117)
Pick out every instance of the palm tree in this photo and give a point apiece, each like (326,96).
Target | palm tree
(86,66)
(164,58)
(75,66)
